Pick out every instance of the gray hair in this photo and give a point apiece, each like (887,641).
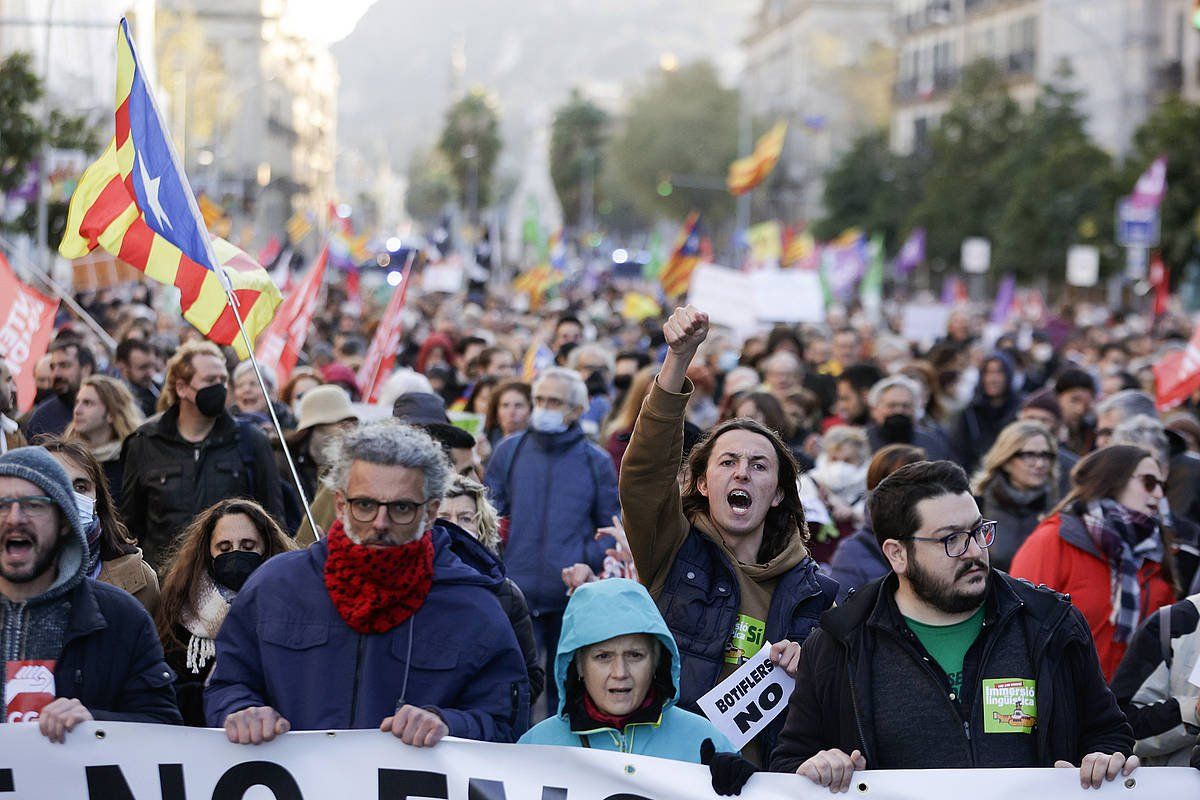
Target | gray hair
(577,393)
(595,349)
(894,382)
(246,367)
(847,436)
(389,443)
(780,360)
(1146,432)
(1128,403)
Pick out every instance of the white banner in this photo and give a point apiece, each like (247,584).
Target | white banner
(126,761)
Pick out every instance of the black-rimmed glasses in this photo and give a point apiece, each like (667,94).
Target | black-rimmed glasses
(400,512)
(958,542)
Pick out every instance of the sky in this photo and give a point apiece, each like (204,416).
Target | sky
(327,22)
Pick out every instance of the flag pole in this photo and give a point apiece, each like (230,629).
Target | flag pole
(262,384)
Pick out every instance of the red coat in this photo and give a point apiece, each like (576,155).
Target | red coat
(1066,563)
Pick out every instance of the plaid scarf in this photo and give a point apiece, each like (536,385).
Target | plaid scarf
(1127,538)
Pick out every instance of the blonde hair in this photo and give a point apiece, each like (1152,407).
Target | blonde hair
(118,402)
(639,387)
(1007,445)
(485,514)
(180,368)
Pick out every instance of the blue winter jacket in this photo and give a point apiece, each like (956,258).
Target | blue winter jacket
(598,612)
(284,645)
(556,489)
(857,561)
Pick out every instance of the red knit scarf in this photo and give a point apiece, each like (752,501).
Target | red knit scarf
(376,588)
(608,720)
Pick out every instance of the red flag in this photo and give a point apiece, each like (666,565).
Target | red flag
(1177,374)
(382,354)
(281,343)
(26,324)
(1160,279)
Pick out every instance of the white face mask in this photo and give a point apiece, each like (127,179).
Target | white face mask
(544,420)
(842,478)
(86,507)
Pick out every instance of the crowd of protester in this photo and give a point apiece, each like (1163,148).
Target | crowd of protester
(567,528)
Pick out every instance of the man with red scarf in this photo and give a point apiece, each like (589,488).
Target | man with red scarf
(377,625)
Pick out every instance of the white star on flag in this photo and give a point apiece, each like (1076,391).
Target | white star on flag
(150,187)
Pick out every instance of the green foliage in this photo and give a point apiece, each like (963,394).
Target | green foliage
(430,185)
(963,191)
(1171,131)
(681,124)
(472,134)
(872,188)
(23,135)
(576,153)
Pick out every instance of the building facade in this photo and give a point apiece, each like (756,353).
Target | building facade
(1118,52)
(827,67)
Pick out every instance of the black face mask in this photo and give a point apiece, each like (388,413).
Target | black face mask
(596,383)
(897,429)
(210,401)
(232,569)
(622,382)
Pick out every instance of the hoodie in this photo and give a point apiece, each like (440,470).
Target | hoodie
(596,613)
(979,424)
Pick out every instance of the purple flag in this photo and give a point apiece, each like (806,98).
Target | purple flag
(1005,294)
(846,266)
(1152,186)
(911,254)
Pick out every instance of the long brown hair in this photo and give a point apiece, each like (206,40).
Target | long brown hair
(784,520)
(1104,473)
(118,402)
(492,420)
(115,539)
(190,559)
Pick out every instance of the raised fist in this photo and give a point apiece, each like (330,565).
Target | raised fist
(685,330)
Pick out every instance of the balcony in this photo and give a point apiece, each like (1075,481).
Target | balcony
(1020,63)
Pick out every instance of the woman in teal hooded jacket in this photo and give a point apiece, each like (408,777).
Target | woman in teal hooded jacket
(617,670)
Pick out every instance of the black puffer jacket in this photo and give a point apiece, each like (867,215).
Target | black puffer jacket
(833,706)
(168,480)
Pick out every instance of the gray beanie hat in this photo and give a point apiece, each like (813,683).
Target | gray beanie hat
(36,465)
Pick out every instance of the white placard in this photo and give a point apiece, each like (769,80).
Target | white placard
(106,760)
(745,302)
(746,702)
(924,323)
(788,295)
(444,277)
(726,296)
(1194,678)
(1083,265)
(976,255)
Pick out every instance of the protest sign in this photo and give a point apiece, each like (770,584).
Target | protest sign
(128,761)
(26,325)
(744,302)
(924,323)
(746,702)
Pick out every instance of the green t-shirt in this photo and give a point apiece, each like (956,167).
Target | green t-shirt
(948,644)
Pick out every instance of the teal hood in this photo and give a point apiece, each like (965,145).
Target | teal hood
(602,610)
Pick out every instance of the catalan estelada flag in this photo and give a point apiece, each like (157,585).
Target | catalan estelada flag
(135,203)
(677,273)
(748,172)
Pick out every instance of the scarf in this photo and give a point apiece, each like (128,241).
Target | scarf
(1127,538)
(377,588)
(110,451)
(202,618)
(608,720)
(1036,499)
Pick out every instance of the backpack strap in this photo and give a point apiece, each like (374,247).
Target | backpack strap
(1164,634)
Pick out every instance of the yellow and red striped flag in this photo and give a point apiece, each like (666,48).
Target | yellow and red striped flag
(676,275)
(135,203)
(748,172)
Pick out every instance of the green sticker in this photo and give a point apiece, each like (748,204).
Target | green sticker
(1009,705)
(746,640)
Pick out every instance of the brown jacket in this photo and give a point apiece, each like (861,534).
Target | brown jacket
(135,576)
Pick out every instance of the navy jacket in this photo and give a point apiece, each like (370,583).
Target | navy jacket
(556,489)
(111,659)
(52,415)
(700,603)
(857,561)
(284,645)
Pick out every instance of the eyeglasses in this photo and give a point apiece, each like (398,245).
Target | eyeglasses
(34,505)
(1034,455)
(957,542)
(1151,482)
(400,512)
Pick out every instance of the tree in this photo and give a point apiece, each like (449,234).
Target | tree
(1171,131)
(577,139)
(430,185)
(872,188)
(962,188)
(676,143)
(23,136)
(1059,188)
(470,142)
